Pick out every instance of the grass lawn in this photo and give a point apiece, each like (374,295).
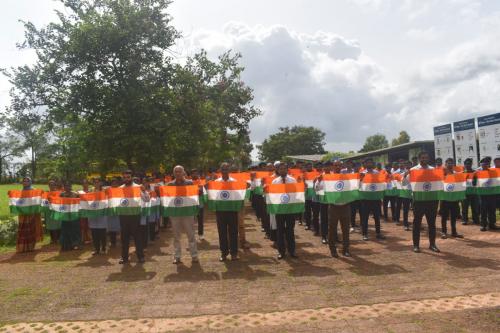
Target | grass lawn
(4,200)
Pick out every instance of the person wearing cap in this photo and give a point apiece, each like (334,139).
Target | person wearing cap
(427,208)
(471,199)
(488,202)
(449,208)
(370,206)
(285,223)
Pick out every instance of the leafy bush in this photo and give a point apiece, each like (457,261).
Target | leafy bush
(8,231)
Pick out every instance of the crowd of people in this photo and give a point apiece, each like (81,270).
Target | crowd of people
(320,217)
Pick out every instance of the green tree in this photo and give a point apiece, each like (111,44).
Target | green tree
(296,140)
(403,137)
(374,142)
(336,154)
(108,87)
(10,146)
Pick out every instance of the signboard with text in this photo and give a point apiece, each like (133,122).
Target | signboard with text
(489,135)
(443,142)
(465,141)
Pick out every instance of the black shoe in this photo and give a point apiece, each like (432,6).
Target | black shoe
(324,241)
(434,248)
(457,235)
(334,253)
(464,222)
(346,253)
(443,235)
(177,261)
(234,257)
(281,256)
(483,229)
(316,233)
(416,249)
(365,237)
(294,256)
(494,227)
(307,228)
(380,236)
(141,260)
(300,222)
(94,253)
(222,258)
(122,261)
(407,228)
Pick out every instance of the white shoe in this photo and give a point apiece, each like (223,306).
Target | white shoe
(351,230)
(201,237)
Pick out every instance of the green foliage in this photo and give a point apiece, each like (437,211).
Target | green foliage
(8,231)
(110,95)
(297,140)
(374,142)
(404,137)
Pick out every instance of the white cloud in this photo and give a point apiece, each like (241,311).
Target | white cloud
(426,35)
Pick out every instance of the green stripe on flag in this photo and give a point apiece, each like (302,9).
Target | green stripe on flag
(376,195)
(58,216)
(405,194)
(488,190)
(93,213)
(391,193)
(340,197)
(310,193)
(294,208)
(26,210)
(225,206)
(452,196)
(180,211)
(258,190)
(426,196)
(125,211)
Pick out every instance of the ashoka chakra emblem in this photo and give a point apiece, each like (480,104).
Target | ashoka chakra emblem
(488,182)
(20,201)
(178,202)
(339,186)
(427,187)
(285,198)
(62,208)
(224,195)
(124,202)
(94,205)
(372,187)
(450,187)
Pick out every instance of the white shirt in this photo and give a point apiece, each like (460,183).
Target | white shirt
(419,167)
(288,180)
(230,179)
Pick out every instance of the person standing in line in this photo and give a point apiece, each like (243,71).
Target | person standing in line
(370,206)
(488,201)
(98,226)
(471,198)
(449,208)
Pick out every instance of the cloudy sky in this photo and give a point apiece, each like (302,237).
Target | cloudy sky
(350,67)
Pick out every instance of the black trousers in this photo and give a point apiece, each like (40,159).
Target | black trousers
(355,207)
(488,210)
(130,228)
(403,203)
(285,230)
(339,214)
(112,238)
(367,207)
(429,210)
(390,200)
(144,230)
(99,239)
(450,209)
(323,211)
(472,201)
(227,226)
(259,209)
(152,230)
(308,212)
(200,221)
(315,217)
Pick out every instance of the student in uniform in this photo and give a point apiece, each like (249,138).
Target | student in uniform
(403,202)
(471,199)
(449,208)
(323,208)
(389,199)
(370,206)
(488,202)
(98,226)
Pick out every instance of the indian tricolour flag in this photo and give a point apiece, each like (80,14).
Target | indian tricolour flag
(155,203)
(469,184)
(180,200)
(309,178)
(340,188)
(25,202)
(64,209)
(391,189)
(285,198)
(93,204)
(46,200)
(454,187)
(226,196)
(124,200)
(372,186)
(426,184)
(403,186)
(488,182)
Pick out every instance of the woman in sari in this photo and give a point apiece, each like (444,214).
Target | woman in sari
(71,237)
(30,226)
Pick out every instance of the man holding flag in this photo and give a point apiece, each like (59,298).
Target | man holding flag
(453,192)
(370,193)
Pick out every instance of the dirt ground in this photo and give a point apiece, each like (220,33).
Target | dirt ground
(384,287)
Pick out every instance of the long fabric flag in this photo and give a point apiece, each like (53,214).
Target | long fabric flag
(64,209)
(454,187)
(426,184)
(469,184)
(46,200)
(155,203)
(372,186)
(391,189)
(25,202)
(124,200)
(340,188)
(309,180)
(226,196)
(180,200)
(93,204)
(487,182)
(285,198)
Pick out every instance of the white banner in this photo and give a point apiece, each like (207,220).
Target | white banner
(489,135)
(443,142)
(465,141)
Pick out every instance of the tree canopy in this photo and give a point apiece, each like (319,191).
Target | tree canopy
(296,140)
(374,142)
(107,91)
(403,137)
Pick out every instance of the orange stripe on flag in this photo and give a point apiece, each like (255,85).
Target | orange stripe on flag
(179,191)
(311,175)
(490,173)
(228,186)
(285,188)
(64,201)
(423,175)
(240,176)
(93,196)
(24,193)
(374,178)
(455,178)
(124,192)
(340,176)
